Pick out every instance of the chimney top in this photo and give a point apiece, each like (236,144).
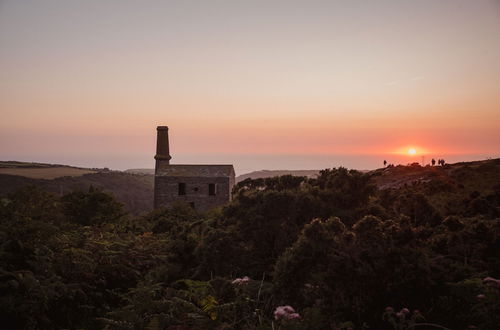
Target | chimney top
(162,147)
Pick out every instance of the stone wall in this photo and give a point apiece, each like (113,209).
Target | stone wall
(197,191)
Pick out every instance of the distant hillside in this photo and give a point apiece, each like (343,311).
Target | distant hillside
(271,173)
(16,164)
(150,171)
(45,173)
(133,190)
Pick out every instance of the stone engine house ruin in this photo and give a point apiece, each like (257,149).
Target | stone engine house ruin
(201,186)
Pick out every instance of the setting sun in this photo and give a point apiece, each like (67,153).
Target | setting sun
(411,151)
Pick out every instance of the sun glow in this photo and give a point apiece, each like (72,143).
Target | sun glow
(411,151)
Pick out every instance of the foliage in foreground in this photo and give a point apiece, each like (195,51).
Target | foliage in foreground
(287,253)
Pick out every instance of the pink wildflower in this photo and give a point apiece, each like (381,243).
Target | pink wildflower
(240,281)
(285,313)
(493,282)
(400,315)
(480,296)
(389,309)
(405,311)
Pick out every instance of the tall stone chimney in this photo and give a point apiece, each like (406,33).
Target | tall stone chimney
(162,148)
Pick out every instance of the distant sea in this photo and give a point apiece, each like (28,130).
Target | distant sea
(245,163)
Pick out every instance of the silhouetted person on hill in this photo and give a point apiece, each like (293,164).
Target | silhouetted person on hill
(433,161)
(442,162)
(385,163)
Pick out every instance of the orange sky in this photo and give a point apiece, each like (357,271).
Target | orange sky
(87,82)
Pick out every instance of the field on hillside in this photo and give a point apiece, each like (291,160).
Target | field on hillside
(150,171)
(47,172)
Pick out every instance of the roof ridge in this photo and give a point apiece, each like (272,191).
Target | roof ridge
(195,170)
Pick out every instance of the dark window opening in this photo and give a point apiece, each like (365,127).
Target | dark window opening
(212,189)
(192,205)
(196,189)
(182,188)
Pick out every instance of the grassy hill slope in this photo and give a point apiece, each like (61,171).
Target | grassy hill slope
(451,188)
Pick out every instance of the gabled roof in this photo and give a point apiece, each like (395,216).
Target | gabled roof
(195,170)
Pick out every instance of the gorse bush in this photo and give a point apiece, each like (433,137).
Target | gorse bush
(331,252)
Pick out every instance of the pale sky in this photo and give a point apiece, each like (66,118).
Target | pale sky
(260,84)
